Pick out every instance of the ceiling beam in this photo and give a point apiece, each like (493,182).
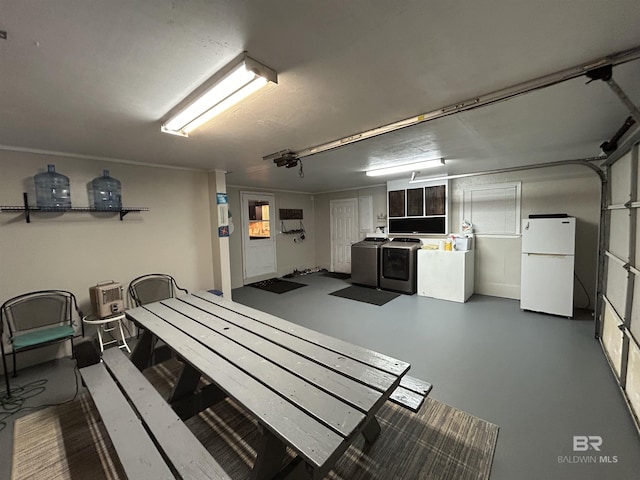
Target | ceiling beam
(538,83)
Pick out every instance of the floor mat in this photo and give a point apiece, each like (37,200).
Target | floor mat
(366,295)
(341,276)
(275,285)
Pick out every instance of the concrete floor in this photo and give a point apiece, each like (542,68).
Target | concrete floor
(542,379)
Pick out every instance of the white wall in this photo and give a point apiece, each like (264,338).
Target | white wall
(323,214)
(289,254)
(73,251)
(574,190)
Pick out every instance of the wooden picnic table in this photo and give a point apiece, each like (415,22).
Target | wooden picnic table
(307,391)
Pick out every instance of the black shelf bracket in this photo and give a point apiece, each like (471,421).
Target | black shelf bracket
(25,199)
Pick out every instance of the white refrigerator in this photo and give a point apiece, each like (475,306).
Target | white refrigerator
(548,257)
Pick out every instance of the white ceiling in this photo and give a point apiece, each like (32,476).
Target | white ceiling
(95,78)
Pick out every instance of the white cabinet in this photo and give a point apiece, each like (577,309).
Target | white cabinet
(447,275)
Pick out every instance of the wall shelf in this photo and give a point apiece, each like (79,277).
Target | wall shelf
(27,209)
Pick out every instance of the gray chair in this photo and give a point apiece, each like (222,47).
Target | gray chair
(152,287)
(38,319)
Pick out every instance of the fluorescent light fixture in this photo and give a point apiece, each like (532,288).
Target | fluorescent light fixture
(234,83)
(405,168)
(431,179)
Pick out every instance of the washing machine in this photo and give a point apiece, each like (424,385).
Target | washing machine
(365,261)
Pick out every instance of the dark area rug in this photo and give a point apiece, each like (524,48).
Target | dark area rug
(366,295)
(276,285)
(338,275)
(439,442)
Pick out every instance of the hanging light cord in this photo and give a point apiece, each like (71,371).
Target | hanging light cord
(301,171)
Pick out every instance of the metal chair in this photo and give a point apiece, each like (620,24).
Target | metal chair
(38,319)
(152,288)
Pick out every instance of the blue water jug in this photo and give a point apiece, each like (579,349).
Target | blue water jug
(107,192)
(52,189)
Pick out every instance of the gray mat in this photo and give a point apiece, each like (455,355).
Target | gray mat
(338,275)
(366,295)
(275,285)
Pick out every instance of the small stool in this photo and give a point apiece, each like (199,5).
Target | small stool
(108,325)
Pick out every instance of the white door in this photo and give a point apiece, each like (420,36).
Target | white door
(258,234)
(344,232)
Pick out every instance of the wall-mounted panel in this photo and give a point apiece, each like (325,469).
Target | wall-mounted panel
(415,202)
(435,200)
(417,225)
(397,203)
(493,209)
(365,213)
(417,209)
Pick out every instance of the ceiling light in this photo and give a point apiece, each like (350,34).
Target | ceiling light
(229,86)
(405,168)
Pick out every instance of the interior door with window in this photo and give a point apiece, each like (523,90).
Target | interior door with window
(258,234)
(344,232)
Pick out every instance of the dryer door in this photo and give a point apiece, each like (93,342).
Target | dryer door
(396,263)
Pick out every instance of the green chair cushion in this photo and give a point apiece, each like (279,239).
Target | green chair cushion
(27,340)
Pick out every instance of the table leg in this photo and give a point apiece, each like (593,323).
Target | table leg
(185,384)
(141,355)
(298,470)
(371,430)
(270,454)
(184,399)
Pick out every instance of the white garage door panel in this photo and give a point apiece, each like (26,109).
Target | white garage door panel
(612,338)
(616,286)
(621,180)
(633,378)
(619,240)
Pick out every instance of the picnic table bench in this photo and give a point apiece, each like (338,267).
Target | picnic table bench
(307,391)
(150,439)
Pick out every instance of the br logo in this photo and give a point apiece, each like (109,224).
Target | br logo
(583,443)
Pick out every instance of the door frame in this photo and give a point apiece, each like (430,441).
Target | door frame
(245,234)
(331,238)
